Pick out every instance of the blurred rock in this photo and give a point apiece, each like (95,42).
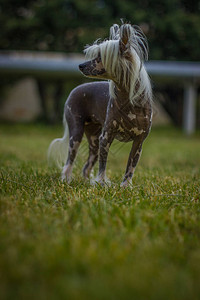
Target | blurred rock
(160,116)
(22,102)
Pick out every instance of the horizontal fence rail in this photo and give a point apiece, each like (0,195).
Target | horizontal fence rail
(62,66)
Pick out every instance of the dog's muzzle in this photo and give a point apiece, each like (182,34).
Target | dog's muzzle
(82,67)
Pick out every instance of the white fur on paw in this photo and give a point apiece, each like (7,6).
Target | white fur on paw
(64,178)
(66,173)
(99,182)
(124,184)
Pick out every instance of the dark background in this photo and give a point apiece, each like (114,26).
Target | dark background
(171,26)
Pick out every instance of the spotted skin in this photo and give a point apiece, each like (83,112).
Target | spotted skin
(92,132)
(76,131)
(106,139)
(132,162)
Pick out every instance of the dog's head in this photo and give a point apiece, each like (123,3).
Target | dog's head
(113,58)
(120,60)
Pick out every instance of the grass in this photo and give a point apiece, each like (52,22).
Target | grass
(77,241)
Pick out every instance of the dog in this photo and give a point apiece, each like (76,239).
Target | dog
(119,107)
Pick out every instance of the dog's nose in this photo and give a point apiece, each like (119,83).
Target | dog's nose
(81,67)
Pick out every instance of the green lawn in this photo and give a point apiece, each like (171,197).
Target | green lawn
(77,241)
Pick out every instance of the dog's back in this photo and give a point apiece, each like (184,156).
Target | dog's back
(89,102)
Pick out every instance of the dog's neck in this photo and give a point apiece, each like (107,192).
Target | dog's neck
(122,96)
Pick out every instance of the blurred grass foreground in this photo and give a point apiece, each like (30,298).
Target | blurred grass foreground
(78,241)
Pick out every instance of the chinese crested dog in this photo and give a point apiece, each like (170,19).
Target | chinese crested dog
(117,108)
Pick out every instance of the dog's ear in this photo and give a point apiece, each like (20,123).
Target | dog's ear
(114,32)
(125,34)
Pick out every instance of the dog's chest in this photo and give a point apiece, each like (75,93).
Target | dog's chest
(129,123)
(126,130)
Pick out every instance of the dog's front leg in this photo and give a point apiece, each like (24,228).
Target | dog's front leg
(105,142)
(132,162)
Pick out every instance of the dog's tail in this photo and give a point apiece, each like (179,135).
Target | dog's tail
(57,152)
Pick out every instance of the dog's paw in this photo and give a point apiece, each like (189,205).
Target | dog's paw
(66,173)
(98,182)
(125,183)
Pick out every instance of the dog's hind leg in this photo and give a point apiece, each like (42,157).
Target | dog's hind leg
(75,136)
(92,132)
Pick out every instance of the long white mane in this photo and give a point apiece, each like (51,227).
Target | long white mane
(125,67)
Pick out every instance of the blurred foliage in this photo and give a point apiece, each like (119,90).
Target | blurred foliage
(172,26)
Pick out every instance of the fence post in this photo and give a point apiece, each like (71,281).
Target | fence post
(189,111)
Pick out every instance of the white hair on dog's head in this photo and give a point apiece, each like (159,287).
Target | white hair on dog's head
(122,56)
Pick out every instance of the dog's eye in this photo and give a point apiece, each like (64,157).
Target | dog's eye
(98,59)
